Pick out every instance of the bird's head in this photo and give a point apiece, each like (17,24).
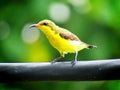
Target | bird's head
(45,25)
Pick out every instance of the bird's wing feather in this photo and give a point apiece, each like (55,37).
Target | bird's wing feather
(67,34)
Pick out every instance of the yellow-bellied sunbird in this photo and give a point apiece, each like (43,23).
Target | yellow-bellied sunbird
(61,39)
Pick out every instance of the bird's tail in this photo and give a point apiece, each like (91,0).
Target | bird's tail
(91,46)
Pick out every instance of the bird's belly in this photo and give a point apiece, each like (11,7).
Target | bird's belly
(63,45)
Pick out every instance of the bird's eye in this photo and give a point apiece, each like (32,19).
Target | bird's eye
(45,23)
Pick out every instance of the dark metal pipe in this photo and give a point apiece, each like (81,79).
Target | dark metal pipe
(61,71)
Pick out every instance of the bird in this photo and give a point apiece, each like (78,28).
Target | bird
(61,39)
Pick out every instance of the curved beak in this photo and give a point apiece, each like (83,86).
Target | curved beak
(33,25)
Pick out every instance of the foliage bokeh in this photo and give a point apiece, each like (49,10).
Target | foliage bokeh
(93,21)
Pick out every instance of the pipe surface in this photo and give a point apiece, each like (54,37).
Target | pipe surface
(96,70)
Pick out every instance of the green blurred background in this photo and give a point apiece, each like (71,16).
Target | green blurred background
(93,21)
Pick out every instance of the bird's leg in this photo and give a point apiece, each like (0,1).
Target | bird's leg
(56,59)
(75,59)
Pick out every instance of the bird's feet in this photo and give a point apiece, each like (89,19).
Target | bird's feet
(53,61)
(73,62)
(56,59)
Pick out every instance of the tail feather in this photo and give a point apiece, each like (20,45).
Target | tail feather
(92,46)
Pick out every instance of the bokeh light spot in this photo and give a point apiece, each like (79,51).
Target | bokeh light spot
(4,30)
(78,2)
(59,12)
(30,35)
(81,6)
